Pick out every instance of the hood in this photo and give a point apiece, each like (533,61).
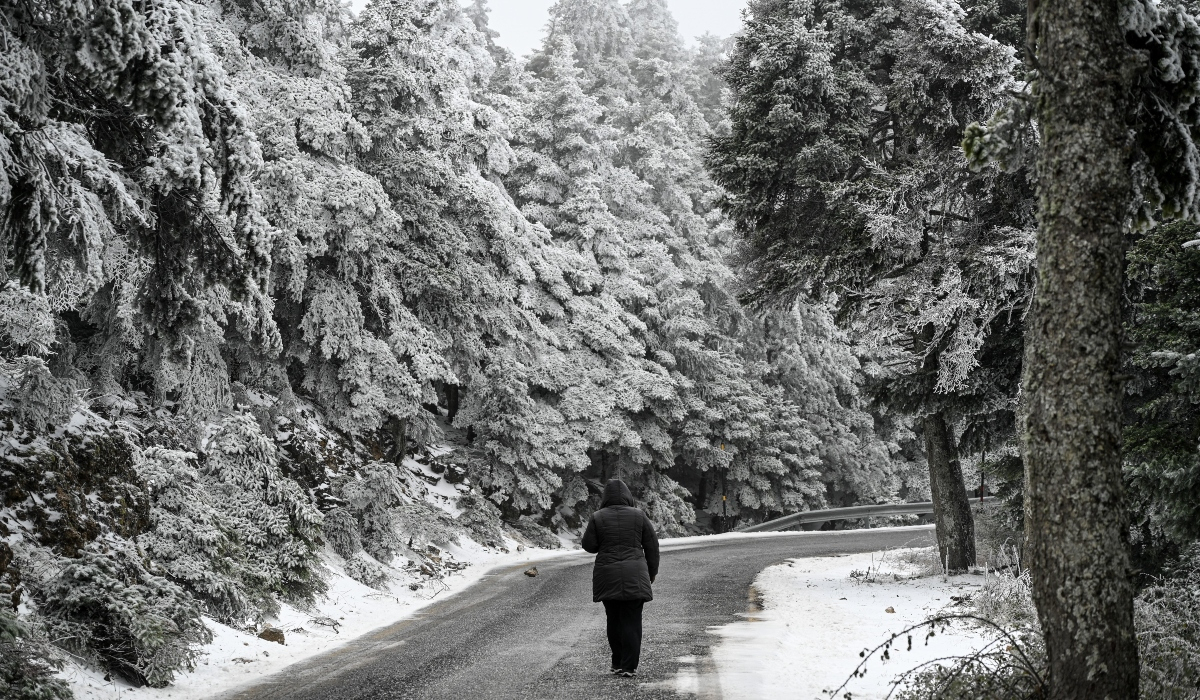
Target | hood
(616,493)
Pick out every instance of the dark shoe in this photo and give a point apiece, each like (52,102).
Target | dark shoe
(626,674)
(614,670)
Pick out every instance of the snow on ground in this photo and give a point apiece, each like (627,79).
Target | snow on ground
(816,618)
(349,610)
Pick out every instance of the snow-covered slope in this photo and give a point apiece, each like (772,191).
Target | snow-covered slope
(349,610)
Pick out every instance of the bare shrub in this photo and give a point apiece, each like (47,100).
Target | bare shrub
(1011,666)
(1006,597)
(998,540)
(920,561)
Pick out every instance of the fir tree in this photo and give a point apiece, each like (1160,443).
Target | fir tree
(933,259)
(475,271)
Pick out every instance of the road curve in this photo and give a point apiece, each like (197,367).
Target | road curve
(511,636)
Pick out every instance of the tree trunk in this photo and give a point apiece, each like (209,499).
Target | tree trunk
(399,439)
(954,524)
(1076,523)
(452,399)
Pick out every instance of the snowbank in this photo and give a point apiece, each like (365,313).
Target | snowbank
(349,610)
(816,618)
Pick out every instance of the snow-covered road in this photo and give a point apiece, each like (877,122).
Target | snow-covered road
(511,636)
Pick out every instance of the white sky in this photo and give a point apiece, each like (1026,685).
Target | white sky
(520,22)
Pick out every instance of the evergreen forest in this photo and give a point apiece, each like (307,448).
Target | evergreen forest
(268,263)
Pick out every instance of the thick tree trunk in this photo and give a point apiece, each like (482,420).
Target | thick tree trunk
(951,510)
(1076,523)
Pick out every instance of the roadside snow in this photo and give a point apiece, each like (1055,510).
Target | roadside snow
(816,619)
(806,639)
(349,610)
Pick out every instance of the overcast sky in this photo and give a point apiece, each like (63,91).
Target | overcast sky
(520,22)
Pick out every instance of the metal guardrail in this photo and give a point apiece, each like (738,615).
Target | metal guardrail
(820,516)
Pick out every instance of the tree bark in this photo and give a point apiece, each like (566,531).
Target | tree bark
(1076,522)
(953,522)
(452,402)
(399,427)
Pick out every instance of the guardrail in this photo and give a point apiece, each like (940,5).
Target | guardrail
(820,516)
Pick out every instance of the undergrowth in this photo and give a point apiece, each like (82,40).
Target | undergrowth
(1011,663)
(27,664)
(122,525)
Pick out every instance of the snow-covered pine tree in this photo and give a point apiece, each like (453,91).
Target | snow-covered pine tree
(128,191)
(232,528)
(706,86)
(932,259)
(349,343)
(805,355)
(621,401)
(474,270)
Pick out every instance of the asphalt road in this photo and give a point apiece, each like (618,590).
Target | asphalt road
(511,636)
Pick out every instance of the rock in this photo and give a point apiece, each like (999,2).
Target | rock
(6,556)
(531,571)
(271,634)
(455,474)
(890,609)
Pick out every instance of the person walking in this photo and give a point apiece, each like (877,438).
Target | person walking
(626,548)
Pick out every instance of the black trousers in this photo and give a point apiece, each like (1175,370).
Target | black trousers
(624,632)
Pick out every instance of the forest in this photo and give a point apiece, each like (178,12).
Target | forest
(263,258)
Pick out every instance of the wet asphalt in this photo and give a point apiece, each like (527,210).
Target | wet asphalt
(514,637)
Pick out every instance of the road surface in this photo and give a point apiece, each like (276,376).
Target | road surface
(514,637)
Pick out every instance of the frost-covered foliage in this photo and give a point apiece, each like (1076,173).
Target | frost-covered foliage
(1167,615)
(266,510)
(231,527)
(1164,43)
(261,258)
(1013,666)
(1161,434)
(128,183)
(383,515)
(105,605)
(843,172)
(26,667)
(73,504)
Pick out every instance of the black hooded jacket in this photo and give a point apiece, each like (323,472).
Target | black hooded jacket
(626,548)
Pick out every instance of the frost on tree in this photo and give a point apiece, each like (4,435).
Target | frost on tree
(928,259)
(260,257)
